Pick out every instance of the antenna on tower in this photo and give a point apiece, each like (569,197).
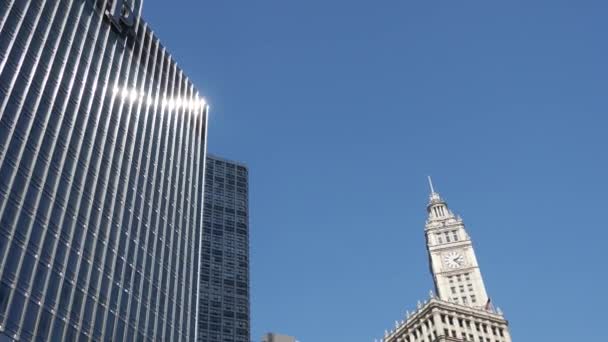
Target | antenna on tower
(431,184)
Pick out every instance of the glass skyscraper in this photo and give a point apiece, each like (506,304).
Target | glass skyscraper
(224,273)
(102,156)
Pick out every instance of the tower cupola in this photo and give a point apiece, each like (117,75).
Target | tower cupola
(437,207)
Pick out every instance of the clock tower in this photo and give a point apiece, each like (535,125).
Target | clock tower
(458,310)
(451,256)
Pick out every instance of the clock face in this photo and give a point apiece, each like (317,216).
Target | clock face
(454,260)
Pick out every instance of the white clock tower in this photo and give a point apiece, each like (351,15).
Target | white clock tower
(459,310)
(451,256)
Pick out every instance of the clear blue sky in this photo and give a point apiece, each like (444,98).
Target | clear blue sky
(341,109)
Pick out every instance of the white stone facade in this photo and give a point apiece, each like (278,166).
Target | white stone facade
(453,263)
(438,320)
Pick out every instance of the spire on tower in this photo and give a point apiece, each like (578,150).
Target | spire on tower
(431,184)
(434,197)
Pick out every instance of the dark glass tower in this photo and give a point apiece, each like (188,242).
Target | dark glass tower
(224,287)
(102,150)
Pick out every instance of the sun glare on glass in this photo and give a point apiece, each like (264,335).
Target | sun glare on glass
(196,103)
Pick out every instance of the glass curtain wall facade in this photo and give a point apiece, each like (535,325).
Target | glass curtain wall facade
(102,150)
(224,273)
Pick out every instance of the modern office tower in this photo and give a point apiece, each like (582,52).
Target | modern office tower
(224,272)
(272,337)
(102,149)
(462,310)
